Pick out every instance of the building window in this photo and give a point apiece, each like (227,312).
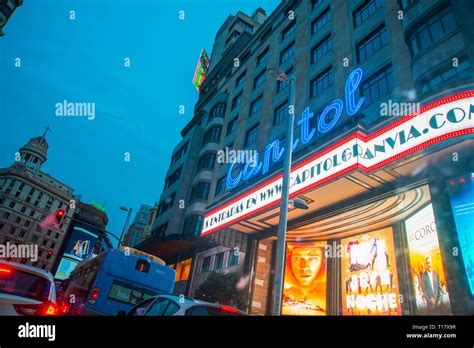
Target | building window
(241,79)
(56,235)
(287,53)
(236,101)
(166,204)
(235,34)
(218,110)
(315,4)
(233,258)
(161,230)
(207,161)
(6,215)
(260,79)
(323,47)
(232,126)
(281,85)
(44,242)
(256,105)
(183,268)
(23,209)
(193,225)
(200,191)
(280,113)
(251,136)
(378,85)
(180,153)
(372,43)
(206,264)
(289,30)
(322,82)
(220,186)
(432,30)
(263,56)
(12,230)
(321,21)
(12,205)
(406,3)
(1,226)
(247,27)
(18,220)
(32,213)
(2,201)
(27,223)
(173,178)
(219,262)
(213,135)
(446,74)
(365,11)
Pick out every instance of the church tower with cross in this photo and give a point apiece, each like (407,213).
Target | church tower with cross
(28,198)
(33,154)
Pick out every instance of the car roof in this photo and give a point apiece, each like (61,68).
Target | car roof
(190,301)
(29,269)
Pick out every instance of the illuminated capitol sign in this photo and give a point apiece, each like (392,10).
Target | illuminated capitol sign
(273,152)
(439,121)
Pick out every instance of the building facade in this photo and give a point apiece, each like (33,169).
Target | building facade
(29,199)
(381,156)
(136,230)
(177,218)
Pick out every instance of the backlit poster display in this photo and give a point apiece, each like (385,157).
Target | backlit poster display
(304,290)
(429,282)
(369,274)
(462,202)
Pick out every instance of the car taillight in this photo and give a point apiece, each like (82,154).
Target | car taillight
(46,309)
(228,309)
(94,295)
(5,270)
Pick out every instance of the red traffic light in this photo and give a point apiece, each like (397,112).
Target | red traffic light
(50,252)
(59,215)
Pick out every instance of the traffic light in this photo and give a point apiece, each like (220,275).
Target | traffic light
(59,215)
(50,252)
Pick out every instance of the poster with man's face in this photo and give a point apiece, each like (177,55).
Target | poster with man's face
(304,290)
(369,274)
(429,291)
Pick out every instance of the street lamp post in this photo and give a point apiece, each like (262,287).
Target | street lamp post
(129,210)
(282,224)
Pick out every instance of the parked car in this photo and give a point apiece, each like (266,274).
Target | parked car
(26,290)
(175,305)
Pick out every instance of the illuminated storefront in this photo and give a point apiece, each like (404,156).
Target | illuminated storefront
(389,224)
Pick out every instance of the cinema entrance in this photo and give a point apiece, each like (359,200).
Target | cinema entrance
(380,257)
(388,230)
(384,243)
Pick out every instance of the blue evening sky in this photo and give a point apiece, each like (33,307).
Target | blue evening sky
(137,108)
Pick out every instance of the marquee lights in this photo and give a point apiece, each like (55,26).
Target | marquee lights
(440,121)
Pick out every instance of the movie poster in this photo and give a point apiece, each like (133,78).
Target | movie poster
(429,283)
(462,202)
(304,290)
(369,274)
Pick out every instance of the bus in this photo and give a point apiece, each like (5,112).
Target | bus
(114,281)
